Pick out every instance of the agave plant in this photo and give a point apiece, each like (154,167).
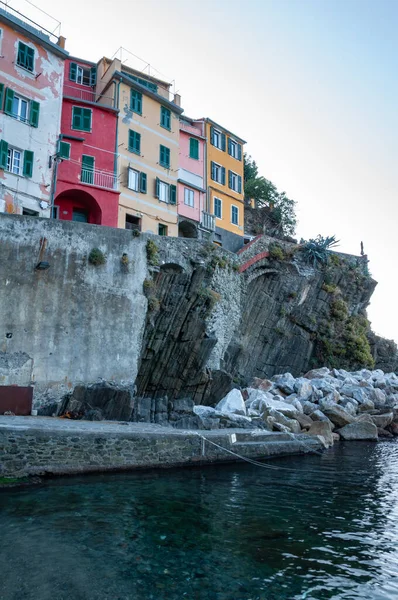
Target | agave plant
(317,250)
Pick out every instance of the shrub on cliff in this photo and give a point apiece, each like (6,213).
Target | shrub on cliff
(96,257)
(152,253)
(316,251)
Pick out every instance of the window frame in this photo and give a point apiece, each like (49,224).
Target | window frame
(17,115)
(80,70)
(11,152)
(82,128)
(218,169)
(233,149)
(214,207)
(137,138)
(191,194)
(218,133)
(233,206)
(166,165)
(137,174)
(166,187)
(24,66)
(166,230)
(165,118)
(92,171)
(192,139)
(136,102)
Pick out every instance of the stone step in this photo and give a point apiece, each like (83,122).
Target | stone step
(267,436)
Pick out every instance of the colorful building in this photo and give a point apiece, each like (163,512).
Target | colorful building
(224,182)
(87,187)
(31,79)
(148,147)
(194,222)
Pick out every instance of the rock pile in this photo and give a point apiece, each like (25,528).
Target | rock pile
(361,405)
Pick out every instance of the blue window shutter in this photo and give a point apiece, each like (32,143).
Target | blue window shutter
(93,76)
(157,185)
(9,101)
(87,119)
(72,71)
(28,163)
(143,183)
(173,194)
(229,147)
(3,154)
(239,184)
(223,142)
(223,175)
(239,152)
(1,95)
(34,113)
(212,135)
(230,180)
(212,171)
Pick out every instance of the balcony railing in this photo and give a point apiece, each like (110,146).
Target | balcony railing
(102,179)
(190,128)
(208,221)
(86,94)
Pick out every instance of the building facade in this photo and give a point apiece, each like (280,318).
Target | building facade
(148,147)
(224,183)
(87,187)
(191,188)
(31,79)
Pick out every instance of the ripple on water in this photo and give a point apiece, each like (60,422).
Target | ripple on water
(315,528)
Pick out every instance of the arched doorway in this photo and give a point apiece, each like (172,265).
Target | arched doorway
(77,205)
(187,229)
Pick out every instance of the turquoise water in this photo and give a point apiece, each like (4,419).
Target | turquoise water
(313,528)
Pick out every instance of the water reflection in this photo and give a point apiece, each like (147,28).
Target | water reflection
(315,528)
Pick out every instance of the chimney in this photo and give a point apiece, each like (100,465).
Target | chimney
(61,42)
(177,99)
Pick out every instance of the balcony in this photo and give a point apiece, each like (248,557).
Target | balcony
(86,94)
(208,221)
(192,129)
(101,179)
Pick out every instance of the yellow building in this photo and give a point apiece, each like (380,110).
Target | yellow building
(147,147)
(224,177)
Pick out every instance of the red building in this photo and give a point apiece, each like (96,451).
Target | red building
(86,185)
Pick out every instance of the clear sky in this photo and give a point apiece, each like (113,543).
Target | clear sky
(310,84)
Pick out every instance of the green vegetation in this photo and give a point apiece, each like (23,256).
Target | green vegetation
(148,286)
(339,309)
(265,195)
(96,257)
(125,260)
(210,298)
(153,304)
(330,288)
(316,251)
(334,260)
(276,252)
(152,253)
(136,233)
(13,480)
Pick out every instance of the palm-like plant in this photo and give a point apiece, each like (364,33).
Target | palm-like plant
(317,250)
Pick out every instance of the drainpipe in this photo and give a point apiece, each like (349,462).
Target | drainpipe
(117,127)
(54,160)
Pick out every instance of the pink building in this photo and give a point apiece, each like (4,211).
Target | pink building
(193,221)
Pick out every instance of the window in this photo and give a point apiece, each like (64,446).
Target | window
(134,178)
(145,83)
(55,212)
(234,215)
(20,108)
(162,229)
(188,197)
(134,142)
(234,149)
(87,174)
(194,148)
(217,138)
(165,118)
(79,215)
(166,192)
(25,57)
(218,173)
(132,222)
(164,158)
(81,118)
(64,150)
(234,182)
(217,208)
(29,213)
(136,102)
(14,161)
(82,75)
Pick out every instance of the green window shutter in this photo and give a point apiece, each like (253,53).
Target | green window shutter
(1,95)
(143,182)
(165,117)
(64,150)
(212,135)
(25,56)
(134,142)
(223,175)
(173,194)
(87,174)
(213,175)
(9,101)
(34,113)
(72,71)
(28,163)
(239,152)
(239,184)
(164,157)
(230,180)
(77,118)
(194,148)
(93,76)
(223,142)
(168,157)
(136,101)
(30,54)
(157,186)
(3,154)
(87,119)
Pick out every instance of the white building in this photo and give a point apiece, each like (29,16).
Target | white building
(31,80)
